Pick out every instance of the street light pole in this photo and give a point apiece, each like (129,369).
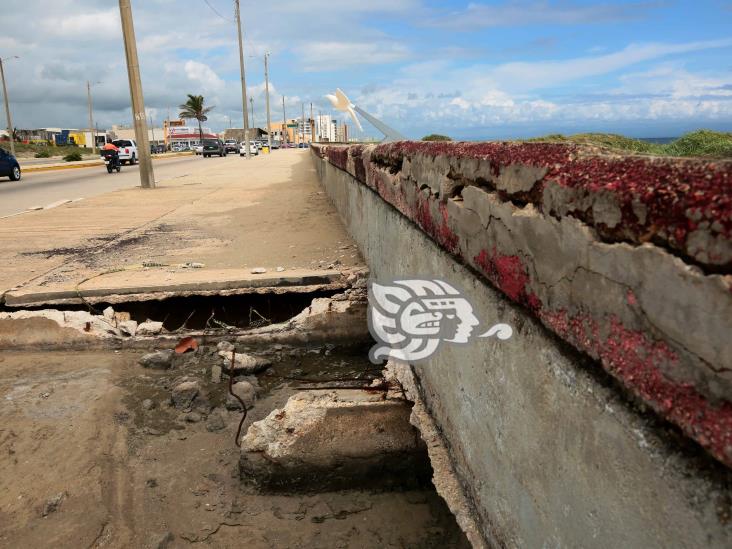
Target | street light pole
(139,117)
(7,105)
(243,79)
(266,95)
(91,117)
(285,135)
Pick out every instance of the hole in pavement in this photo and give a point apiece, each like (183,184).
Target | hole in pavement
(238,311)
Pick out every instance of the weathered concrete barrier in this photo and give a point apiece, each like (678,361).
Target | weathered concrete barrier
(604,264)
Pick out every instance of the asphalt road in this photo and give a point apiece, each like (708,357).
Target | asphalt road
(44,188)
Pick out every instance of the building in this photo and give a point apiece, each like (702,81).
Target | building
(156,136)
(325,128)
(294,131)
(175,133)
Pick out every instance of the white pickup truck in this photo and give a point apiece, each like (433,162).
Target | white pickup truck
(127,151)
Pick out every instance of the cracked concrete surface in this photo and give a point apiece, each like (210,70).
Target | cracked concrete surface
(547,446)
(655,309)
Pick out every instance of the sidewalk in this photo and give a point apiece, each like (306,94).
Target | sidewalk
(226,218)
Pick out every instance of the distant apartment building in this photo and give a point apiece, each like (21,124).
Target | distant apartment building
(326,128)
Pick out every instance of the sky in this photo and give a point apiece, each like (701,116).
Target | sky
(472,70)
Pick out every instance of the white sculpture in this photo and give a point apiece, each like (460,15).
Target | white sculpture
(341,103)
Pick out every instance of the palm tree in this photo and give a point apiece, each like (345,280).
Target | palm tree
(193,108)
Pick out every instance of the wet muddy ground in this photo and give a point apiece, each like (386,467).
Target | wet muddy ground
(92,454)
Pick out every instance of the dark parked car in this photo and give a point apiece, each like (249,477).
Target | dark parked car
(213,146)
(157,149)
(9,166)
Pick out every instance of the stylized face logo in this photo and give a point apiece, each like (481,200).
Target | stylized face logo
(411,317)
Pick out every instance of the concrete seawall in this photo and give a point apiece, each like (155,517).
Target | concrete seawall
(587,427)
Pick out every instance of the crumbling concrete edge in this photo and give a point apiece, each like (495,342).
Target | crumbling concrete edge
(472,201)
(444,477)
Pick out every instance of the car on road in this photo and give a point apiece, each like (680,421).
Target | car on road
(231,145)
(127,151)
(275,144)
(198,149)
(253,150)
(212,147)
(157,149)
(9,166)
(302,146)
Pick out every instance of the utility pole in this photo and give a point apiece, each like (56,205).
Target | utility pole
(266,95)
(91,119)
(147,177)
(302,137)
(243,79)
(285,135)
(152,128)
(312,125)
(251,104)
(7,105)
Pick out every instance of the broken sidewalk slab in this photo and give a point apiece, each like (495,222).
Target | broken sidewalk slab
(335,439)
(135,285)
(48,327)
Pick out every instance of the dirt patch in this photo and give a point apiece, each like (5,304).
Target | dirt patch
(95,455)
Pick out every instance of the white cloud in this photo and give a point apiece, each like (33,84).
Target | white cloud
(84,26)
(331,55)
(523,13)
(204,75)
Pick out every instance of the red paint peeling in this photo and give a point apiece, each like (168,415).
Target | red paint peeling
(508,273)
(676,194)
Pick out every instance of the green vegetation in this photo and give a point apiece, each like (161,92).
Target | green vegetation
(194,109)
(43,154)
(698,143)
(30,150)
(436,137)
(72,157)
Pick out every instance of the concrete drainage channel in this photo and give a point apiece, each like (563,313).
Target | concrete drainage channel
(141,425)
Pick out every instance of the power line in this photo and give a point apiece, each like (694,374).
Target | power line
(217,12)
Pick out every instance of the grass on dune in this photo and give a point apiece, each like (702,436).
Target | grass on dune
(706,143)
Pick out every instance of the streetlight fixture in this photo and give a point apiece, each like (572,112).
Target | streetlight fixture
(7,104)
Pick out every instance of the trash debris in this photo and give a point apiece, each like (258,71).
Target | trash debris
(258,270)
(186,344)
(192,265)
(280,269)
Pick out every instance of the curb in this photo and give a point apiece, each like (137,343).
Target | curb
(89,164)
